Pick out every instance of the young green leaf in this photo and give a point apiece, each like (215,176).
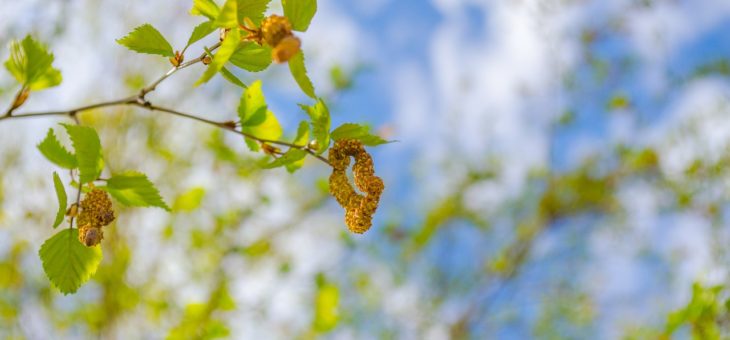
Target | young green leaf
(67,262)
(56,153)
(62,199)
(229,45)
(135,190)
(356,131)
(327,303)
(252,9)
(147,39)
(320,118)
(201,31)
(292,159)
(251,57)
(189,200)
(228,75)
(31,64)
(228,16)
(207,8)
(299,72)
(88,151)
(299,12)
(302,137)
(256,119)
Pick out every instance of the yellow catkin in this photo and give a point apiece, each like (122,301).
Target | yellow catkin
(359,209)
(96,212)
(276,32)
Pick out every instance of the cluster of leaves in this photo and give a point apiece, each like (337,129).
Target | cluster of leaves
(66,261)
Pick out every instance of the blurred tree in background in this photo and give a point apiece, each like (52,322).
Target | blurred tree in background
(595,207)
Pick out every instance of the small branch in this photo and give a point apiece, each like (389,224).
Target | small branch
(151,87)
(140,101)
(223,125)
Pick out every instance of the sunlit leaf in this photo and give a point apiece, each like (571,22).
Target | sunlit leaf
(31,64)
(252,57)
(87,147)
(358,132)
(327,302)
(299,13)
(290,158)
(229,45)
(302,134)
(320,117)
(67,262)
(201,31)
(228,16)
(134,189)
(52,149)
(207,8)
(62,199)
(147,39)
(228,75)
(299,72)
(190,200)
(256,119)
(252,9)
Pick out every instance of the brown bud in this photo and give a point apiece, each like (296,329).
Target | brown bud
(206,60)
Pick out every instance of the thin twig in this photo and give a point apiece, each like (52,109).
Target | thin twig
(140,101)
(154,84)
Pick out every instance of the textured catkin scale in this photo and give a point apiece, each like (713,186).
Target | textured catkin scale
(90,235)
(359,209)
(276,31)
(96,212)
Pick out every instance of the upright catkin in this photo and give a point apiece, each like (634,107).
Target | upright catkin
(359,209)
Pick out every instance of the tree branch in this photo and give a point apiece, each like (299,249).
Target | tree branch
(140,101)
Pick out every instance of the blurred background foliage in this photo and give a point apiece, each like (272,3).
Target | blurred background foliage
(596,208)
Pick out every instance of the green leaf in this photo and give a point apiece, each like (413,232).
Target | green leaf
(252,57)
(206,8)
(201,31)
(52,149)
(88,151)
(189,200)
(291,157)
(62,200)
(320,117)
(356,131)
(228,16)
(302,137)
(229,45)
(228,75)
(252,9)
(256,119)
(147,39)
(327,303)
(299,12)
(135,190)
(299,72)
(67,262)
(31,64)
